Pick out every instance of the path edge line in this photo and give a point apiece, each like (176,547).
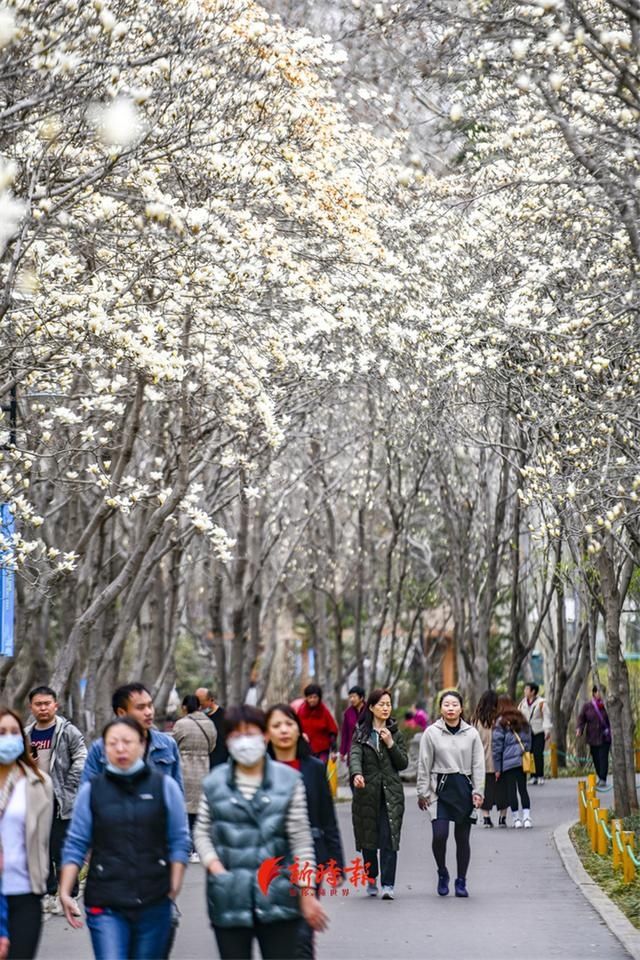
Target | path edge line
(614,918)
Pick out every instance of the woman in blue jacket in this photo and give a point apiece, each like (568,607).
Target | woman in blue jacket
(511,737)
(133,819)
(287,745)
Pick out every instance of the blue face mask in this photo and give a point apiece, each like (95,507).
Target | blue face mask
(11,747)
(135,767)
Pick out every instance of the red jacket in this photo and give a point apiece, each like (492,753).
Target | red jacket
(319,726)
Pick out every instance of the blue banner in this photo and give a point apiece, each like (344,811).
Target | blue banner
(7,587)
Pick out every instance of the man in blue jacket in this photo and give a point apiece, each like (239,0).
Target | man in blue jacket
(161,752)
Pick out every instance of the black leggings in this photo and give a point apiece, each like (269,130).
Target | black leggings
(461,833)
(513,782)
(278,941)
(25,923)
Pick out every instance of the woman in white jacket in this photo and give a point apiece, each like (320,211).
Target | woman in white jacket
(451,771)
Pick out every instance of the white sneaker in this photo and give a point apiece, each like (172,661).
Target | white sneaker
(194,858)
(55,908)
(517,824)
(533,782)
(527,823)
(387,893)
(541,781)
(46,903)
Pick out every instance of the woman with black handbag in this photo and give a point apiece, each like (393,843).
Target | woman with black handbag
(450,784)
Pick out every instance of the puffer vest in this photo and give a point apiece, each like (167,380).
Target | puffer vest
(129,865)
(245,833)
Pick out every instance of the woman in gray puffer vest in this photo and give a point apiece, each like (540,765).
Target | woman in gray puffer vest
(253,837)
(510,738)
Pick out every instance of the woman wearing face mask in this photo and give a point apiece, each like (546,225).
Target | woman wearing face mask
(251,834)
(450,784)
(378,753)
(134,821)
(26,811)
(287,745)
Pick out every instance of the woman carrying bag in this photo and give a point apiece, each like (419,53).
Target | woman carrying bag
(511,743)
(450,784)
(377,755)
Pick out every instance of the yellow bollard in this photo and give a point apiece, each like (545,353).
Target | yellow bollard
(591,782)
(554,761)
(582,801)
(595,830)
(603,843)
(616,826)
(593,806)
(629,870)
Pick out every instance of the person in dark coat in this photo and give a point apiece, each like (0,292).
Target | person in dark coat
(287,745)
(594,720)
(378,753)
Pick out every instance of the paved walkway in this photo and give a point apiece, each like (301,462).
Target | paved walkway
(522,902)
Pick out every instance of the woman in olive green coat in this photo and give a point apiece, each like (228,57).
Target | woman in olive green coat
(378,753)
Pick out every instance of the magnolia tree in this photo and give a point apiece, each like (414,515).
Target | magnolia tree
(192,231)
(532,273)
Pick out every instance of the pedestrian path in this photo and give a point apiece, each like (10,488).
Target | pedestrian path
(522,901)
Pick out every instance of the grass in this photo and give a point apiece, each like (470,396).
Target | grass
(626,896)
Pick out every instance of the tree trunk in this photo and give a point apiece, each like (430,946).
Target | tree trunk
(239,612)
(619,694)
(217,635)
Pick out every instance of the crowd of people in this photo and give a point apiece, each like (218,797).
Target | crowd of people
(245,793)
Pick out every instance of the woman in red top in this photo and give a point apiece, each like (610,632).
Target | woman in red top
(317,723)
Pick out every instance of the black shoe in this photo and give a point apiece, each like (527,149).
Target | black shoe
(487,822)
(502,822)
(443,883)
(461,887)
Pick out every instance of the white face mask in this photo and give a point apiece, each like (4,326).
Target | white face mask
(247,749)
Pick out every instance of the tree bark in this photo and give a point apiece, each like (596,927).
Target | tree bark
(619,693)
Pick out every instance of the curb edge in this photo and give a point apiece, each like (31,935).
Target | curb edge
(614,918)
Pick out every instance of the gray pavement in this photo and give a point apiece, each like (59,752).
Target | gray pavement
(522,903)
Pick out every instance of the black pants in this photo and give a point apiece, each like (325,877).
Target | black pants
(388,856)
(600,756)
(461,832)
(489,792)
(25,923)
(537,749)
(278,941)
(56,843)
(511,783)
(192,817)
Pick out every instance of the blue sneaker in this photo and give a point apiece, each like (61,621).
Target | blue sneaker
(443,883)
(461,888)
(372,888)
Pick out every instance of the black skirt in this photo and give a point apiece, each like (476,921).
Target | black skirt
(455,801)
